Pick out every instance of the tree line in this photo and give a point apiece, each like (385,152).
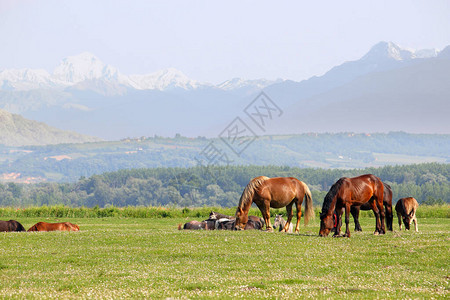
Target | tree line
(215,186)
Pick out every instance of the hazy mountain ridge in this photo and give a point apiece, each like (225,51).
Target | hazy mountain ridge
(18,131)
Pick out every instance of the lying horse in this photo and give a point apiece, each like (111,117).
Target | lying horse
(216,216)
(406,209)
(227,224)
(277,192)
(348,192)
(280,222)
(194,225)
(11,225)
(44,226)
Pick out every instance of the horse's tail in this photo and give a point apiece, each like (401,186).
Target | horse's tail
(309,209)
(249,191)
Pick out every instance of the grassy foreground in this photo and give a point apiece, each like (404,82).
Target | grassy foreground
(141,258)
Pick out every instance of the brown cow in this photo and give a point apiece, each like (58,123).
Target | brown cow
(406,209)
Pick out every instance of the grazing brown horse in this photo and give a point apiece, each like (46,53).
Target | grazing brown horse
(277,192)
(406,209)
(11,225)
(387,202)
(44,226)
(352,191)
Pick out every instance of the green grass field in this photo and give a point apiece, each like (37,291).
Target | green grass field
(150,258)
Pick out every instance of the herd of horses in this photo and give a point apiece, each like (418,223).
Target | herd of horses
(349,195)
(13,225)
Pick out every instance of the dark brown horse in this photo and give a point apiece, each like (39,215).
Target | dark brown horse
(11,225)
(347,192)
(64,226)
(277,192)
(387,202)
(406,209)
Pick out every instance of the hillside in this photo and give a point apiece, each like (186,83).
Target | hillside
(18,131)
(69,162)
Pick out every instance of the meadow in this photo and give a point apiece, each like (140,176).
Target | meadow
(131,257)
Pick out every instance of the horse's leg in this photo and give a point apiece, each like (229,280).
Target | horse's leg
(382,215)
(376,212)
(339,211)
(289,217)
(415,222)
(264,207)
(389,216)
(399,216)
(347,220)
(355,214)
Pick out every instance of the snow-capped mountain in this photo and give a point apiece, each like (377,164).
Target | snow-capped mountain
(84,66)
(25,79)
(85,95)
(237,83)
(391,51)
(164,79)
(85,70)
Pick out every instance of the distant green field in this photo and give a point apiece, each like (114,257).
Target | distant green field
(149,258)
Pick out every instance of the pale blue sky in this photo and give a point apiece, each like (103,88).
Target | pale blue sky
(215,40)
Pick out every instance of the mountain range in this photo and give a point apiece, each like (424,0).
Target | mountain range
(388,89)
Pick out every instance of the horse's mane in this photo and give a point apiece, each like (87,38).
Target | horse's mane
(249,191)
(328,200)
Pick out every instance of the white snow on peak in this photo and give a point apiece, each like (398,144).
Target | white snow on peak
(164,79)
(24,79)
(237,83)
(426,53)
(84,66)
(85,70)
(389,50)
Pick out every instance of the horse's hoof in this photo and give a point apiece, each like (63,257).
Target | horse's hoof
(376,233)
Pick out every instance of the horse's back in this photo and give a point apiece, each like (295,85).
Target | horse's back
(11,225)
(406,205)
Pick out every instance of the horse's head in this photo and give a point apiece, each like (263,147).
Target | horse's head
(241,219)
(407,219)
(326,224)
